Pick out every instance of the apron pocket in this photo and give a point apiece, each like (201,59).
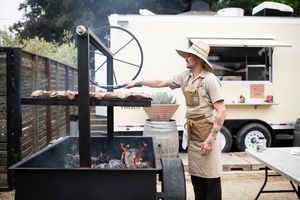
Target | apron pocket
(201,131)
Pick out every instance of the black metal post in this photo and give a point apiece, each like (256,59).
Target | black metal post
(84,100)
(14,115)
(67,108)
(110,109)
(48,107)
(85,38)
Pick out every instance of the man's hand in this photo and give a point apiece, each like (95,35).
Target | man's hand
(130,84)
(206,147)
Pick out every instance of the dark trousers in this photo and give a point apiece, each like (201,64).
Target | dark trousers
(207,188)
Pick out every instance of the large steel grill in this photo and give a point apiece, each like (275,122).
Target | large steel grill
(91,168)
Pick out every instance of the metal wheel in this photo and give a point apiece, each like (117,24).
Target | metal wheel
(248,136)
(127,56)
(173,179)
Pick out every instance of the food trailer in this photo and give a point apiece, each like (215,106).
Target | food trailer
(255,57)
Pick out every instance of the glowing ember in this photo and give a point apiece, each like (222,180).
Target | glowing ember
(130,158)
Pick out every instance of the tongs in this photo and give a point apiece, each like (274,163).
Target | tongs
(112,86)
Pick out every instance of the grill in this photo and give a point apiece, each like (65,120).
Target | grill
(93,168)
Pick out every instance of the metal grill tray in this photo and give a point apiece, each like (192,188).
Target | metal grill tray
(93,102)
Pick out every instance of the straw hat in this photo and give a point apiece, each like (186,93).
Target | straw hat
(199,49)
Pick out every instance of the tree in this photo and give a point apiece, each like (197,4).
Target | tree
(49,18)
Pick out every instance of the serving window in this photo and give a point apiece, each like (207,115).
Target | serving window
(242,63)
(240,57)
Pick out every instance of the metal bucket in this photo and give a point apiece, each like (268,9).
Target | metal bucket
(165,137)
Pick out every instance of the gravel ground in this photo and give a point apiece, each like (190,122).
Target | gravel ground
(236,185)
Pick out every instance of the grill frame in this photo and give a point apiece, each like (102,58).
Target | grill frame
(43,176)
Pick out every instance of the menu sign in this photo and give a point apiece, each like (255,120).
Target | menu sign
(257,91)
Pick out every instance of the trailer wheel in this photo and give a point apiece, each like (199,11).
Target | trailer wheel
(173,179)
(248,136)
(225,139)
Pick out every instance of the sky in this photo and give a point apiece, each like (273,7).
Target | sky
(9,12)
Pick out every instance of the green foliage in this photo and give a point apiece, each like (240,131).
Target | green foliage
(163,98)
(65,52)
(8,39)
(39,46)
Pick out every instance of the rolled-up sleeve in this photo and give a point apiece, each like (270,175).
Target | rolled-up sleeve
(214,89)
(175,81)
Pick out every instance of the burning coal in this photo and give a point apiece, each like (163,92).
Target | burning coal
(131,158)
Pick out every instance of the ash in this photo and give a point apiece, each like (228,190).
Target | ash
(131,158)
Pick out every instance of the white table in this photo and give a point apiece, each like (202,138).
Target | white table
(283,162)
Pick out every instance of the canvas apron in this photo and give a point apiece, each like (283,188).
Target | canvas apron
(198,128)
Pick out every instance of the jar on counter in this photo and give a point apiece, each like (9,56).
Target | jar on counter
(261,145)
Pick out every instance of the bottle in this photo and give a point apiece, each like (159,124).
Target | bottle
(242,99)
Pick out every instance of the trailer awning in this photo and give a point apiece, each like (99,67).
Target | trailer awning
(251,42)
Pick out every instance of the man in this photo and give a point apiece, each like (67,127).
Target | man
(205,116)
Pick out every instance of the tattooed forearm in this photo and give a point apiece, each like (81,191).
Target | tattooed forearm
(218,121)
(209,143)
(214,132)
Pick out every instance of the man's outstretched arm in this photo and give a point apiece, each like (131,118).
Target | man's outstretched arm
(148,83)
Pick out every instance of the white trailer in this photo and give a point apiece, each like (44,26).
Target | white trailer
(253,56)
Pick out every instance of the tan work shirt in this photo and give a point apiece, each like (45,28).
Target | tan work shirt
(210,89)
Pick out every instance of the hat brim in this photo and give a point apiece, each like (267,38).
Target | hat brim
(183,52)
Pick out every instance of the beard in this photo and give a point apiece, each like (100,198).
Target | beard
(189,65)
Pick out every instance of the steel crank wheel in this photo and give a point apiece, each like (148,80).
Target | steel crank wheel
(127,56)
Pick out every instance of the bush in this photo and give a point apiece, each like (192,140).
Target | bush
(65,52)
(9,40)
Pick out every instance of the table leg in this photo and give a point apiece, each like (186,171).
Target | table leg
(264,184)
(295,190)
(276,191)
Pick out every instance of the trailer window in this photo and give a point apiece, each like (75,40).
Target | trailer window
(242,63)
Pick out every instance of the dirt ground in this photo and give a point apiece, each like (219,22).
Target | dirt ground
(236,185)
